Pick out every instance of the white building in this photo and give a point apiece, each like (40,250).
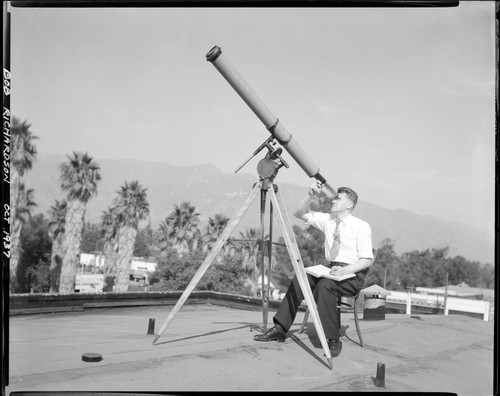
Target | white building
(275,293)
(140,268)
(89,283)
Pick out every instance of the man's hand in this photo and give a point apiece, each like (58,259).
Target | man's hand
(315,188)
(303,208)
(339,271)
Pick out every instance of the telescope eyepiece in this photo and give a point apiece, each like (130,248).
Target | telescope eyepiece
(213,54)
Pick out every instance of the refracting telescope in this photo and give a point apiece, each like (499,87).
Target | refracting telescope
(271,122)
(267,169)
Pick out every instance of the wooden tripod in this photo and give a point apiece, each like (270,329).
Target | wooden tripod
(264,186)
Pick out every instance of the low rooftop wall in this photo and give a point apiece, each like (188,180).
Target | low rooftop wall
(26,304)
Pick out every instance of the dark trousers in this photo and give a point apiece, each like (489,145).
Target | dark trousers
(325,292)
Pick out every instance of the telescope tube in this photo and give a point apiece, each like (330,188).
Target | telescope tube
(272,123)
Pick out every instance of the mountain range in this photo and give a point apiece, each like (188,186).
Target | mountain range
(212,191)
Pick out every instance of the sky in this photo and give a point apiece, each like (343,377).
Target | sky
(397,103)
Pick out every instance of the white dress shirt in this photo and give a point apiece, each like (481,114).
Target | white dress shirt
(355,236)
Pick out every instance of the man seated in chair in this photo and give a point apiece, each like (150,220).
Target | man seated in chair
(348,249)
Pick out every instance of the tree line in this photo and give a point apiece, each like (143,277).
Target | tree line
(392,271)
(45,248)
(79,178)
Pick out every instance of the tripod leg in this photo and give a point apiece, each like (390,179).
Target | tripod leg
(231,225)
(269,262)
(262,249)
(298,266)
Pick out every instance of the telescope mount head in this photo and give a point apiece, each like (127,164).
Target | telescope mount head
(268,167)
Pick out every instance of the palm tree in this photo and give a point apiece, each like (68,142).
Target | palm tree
(79,177)
(215,227)
(185,222)
(165,236)
(109,221)
(23,153)
(251,255)
(57,218)
(25,204)
(132,206)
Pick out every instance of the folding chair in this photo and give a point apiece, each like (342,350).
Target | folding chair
(345,304)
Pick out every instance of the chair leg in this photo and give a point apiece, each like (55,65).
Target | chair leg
(357,323)
(339,309)
(339,315)
(306,316)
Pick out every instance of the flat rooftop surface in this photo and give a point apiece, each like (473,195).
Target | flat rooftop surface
(211,347)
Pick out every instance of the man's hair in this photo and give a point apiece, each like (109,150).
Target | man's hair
(351,194)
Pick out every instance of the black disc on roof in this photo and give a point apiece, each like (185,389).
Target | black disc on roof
(91,357)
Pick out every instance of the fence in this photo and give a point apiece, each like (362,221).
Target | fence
(438,302)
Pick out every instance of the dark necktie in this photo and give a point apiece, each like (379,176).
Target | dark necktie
(334,252)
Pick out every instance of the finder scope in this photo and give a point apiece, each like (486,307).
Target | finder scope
(272,123)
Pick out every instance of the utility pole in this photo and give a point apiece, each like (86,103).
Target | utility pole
(446,295)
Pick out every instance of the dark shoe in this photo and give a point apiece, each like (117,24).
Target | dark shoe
(335,347)
(273,334)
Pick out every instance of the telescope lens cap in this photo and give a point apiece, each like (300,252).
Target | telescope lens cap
(91,357)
